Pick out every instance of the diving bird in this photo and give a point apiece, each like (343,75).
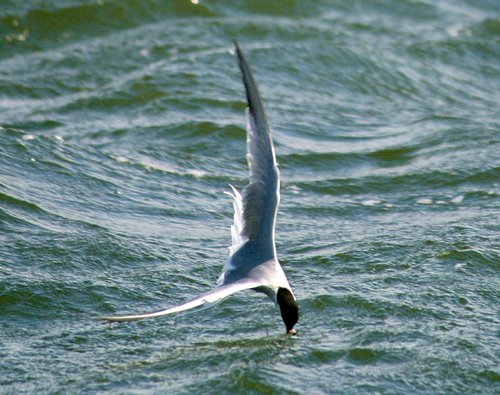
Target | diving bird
(252,262)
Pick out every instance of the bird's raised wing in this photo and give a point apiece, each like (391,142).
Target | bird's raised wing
(206,299)
(260,198)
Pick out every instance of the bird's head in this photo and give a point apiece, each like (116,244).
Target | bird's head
(289,309)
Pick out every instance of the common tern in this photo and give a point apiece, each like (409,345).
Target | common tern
(252,262)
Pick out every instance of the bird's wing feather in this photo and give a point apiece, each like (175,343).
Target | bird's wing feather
(260,198)
(208,298)
(238,239)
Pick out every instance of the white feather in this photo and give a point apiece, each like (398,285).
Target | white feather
(236,229)
(237,239)
(207,299)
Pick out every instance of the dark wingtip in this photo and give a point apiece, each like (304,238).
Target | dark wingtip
(237,49)
(253,97)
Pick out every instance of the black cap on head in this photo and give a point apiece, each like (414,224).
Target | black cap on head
(289,308)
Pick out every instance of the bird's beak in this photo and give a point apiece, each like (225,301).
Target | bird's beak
(291,332)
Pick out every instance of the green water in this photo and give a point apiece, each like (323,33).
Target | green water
(122,124)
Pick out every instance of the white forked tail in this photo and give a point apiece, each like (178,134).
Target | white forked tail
(236,229)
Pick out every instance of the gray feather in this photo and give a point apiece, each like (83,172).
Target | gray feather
(260,198)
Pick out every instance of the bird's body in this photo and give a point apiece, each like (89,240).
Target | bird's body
(252,262)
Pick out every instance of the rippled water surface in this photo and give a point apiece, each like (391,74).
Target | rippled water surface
(122,124)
